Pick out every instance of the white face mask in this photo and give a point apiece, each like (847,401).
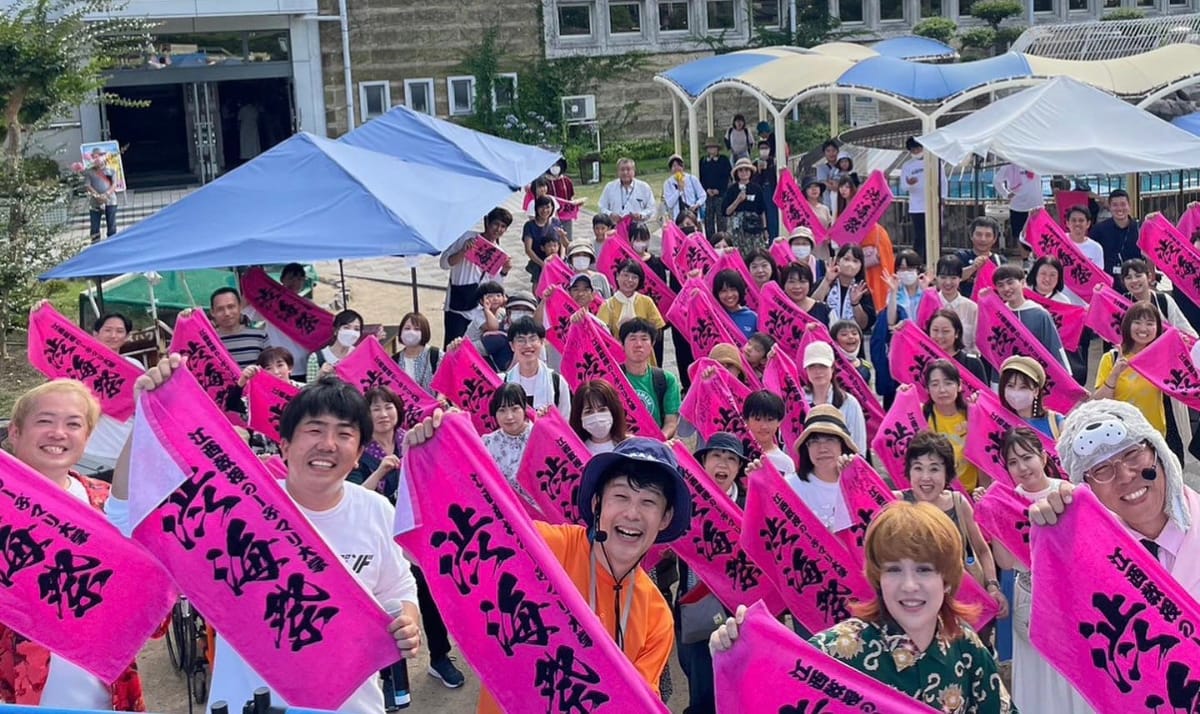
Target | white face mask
(802,251)
(1019,398)
(764,153)
(347,337)
(514,315)
(555,170)
(581,262)
(410,338)
(640,246)
(598,425)
(908,278)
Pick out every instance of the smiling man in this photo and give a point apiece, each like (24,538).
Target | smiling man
(323,432)
(1127,464)
(1010,287)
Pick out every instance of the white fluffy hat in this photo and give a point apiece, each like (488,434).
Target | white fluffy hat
(1099,430)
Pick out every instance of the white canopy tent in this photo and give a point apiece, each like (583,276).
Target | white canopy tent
(1066,127)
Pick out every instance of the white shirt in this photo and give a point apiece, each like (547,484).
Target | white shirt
(360,525)
(968,314)
(1024,193)
(915,168)
(637,199)
(781,461)
(824,499)
(693,193)
(541,387)
(466,272)
(67,685)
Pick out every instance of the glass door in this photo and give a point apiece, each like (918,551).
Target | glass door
(204,115)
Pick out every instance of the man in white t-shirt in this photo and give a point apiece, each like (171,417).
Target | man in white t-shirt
(323,432)
(912,180)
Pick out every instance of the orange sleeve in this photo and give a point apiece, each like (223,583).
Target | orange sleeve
(660,638)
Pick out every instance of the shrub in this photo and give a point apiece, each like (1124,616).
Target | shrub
(936,28)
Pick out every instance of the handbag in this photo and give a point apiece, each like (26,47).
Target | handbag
(699,619)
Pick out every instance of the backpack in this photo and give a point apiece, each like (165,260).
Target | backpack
(435,355)
(658,382)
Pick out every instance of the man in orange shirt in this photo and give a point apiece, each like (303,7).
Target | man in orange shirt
(629,499)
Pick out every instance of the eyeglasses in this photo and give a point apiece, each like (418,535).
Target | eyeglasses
(1133,460)
(526,340)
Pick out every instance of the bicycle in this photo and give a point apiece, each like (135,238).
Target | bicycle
(187,647)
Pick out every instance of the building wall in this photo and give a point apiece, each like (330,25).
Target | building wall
(396,40)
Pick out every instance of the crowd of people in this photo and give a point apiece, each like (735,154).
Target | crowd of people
(856,297)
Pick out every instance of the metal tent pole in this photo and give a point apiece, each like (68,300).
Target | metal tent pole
(342,282)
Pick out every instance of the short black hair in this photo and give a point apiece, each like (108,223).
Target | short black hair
(602,220)
(345,317)
(270,354)
(1031,279)
(224,290)
(929,443)
(830,142)
(763,404)
(525,326)
(637,324)
(489,287)
(633,267)
(509,394)
(763,340)
(328,395)
(99,323)
(950,265)
(1137,265)
(955,322)
(910,258)
(1008,272)
(800,270)
(292,269)
(986,222)
(1081,211)
(730,278)
(498,213)
(1118,193)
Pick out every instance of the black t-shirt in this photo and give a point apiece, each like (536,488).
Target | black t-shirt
(753,202)
(540,235)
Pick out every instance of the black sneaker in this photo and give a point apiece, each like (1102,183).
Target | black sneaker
(445,670)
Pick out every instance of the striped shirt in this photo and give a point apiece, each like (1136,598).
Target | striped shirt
(245,345)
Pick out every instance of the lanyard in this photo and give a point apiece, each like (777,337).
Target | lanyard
(622,615)
(626,196)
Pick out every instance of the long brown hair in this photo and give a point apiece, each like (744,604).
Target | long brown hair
(922,533)
(1138,311)
(597,394)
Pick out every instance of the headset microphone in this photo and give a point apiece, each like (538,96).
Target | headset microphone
(1150,473)
(600,536)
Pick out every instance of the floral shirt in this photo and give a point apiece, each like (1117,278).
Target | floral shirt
(25,665)
(953,676)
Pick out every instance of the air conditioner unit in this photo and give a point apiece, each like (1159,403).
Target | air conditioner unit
(579,109)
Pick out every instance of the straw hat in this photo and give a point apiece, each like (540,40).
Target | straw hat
(826,419)
(728,356)
(712,141)
(743,164)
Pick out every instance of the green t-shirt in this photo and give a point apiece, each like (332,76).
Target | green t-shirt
(644,386)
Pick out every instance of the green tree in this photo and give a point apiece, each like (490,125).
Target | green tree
(994,13)
(1124,13)
(51,58)
(936,28)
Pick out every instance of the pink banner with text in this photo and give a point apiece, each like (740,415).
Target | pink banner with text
(552,467)
(617,250)
(487,256)
(865,493)
(732,260)
(207,359)
(712,546)
(586,357)
(911,352)
(1174,254)
(1105,312)
(795,208)
(850,380)
(714,403)
(987,424)
(863,212)
(1003,515)
(772,669)
(266,396)
(1124,635)
(59,349)
(782,376)
(701,320)
(518,618)
(1078,272)
(468,382)
(901,423)
(245,554)
(1069,319)
(369,366)
(809,566)
(70,581)
(1000,335)
(1167,364)
(780,317)
(296,316)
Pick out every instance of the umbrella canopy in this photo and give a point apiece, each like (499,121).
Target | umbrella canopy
(1189,123)
(306,199)
(1040,129)
(422,139)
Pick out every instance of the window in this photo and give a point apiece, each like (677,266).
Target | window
(964,7)
(1183,3)
(1043,5)
(766,13)
(721,15)
(852,10)
(574,20)
(418,95)
(1077,5)
(374,99)
(1112,3)
(931,8)
(672,16)
(1145,3)
(625,18)
(460,92)
(889,9)
(504,90)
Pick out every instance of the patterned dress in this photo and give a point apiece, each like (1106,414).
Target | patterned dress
(24,665)
(956,676)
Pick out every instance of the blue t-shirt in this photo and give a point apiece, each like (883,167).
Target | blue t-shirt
(746,320)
